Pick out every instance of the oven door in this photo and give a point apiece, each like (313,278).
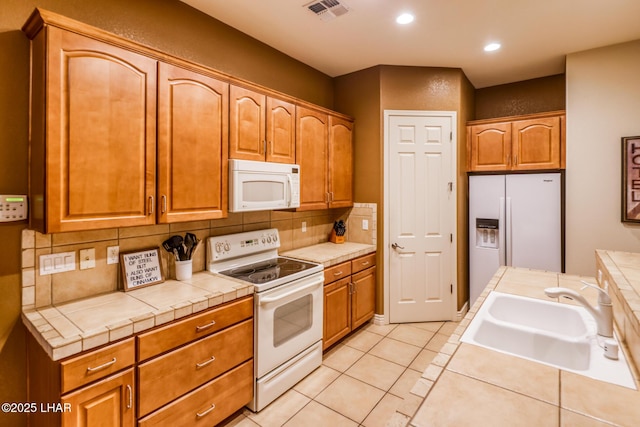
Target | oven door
(288,321)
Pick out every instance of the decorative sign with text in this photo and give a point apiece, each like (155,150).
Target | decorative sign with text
(140,269)
(631,179)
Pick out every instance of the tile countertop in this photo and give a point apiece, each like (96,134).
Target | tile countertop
(330,254)
(466,385)
(73,327)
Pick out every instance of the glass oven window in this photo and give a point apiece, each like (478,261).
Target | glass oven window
(292,319)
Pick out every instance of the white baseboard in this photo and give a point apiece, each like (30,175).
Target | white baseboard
(462,312)
(378,319)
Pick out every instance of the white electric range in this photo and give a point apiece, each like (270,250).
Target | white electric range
(288,308)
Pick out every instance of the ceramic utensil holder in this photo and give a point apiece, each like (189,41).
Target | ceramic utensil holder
(184,269)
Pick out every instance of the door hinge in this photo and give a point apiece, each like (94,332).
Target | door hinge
(450,136)
(452,289)
(451,237)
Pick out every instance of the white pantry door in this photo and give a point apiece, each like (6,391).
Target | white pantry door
(421,215)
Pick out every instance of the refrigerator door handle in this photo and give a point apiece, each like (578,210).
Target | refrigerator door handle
(501,233)
(508,232)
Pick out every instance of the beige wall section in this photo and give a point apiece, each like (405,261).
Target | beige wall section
(603,101)
(526,97)
(365,95)
(167,25)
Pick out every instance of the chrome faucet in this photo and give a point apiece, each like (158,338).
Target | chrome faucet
(603,313)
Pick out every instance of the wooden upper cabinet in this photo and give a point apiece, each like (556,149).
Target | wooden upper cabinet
(340,163)
(247,124)
(192,145)
(281,131)
(533,142)
(490,147)
(536,144)
(93,146)
(311,154)
(262,127)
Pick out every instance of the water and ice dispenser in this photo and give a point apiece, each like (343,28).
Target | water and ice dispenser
(487,233)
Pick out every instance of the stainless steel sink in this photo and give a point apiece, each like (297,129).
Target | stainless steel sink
(558,335)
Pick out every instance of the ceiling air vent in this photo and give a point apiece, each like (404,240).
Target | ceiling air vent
(327,10)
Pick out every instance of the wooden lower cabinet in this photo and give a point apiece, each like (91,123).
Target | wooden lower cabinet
(167,377)
(348,301)
(194,371)
(110,402)
(363,299)
(209,404)
(337,311)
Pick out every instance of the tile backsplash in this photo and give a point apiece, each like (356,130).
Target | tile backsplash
(44,290)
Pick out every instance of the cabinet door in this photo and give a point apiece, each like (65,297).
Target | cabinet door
(337,311)
(363,299)
(109,402)
(100,135)
(536,144)
(490,147)
(340,163)
(281,131)
(192,145)
(246,124)
(311,155)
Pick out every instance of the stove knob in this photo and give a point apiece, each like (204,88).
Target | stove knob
(275,237)
(269,239)
(227,246)
(218,247)
(264,240)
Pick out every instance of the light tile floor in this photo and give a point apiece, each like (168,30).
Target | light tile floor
(362,381)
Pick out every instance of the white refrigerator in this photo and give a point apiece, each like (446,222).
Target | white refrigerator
(514,220)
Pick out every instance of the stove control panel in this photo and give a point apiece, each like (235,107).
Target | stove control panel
(242,244)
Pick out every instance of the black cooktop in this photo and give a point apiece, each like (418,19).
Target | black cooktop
(269,270)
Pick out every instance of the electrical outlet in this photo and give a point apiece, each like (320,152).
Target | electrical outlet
(113,253)
(87,258)
(304,226)
(365,224)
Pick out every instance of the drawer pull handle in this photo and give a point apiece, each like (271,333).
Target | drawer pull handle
(104,365)
(203,364)
(207,326)
(130,394)
(202,414)
(339,273)
(365,263)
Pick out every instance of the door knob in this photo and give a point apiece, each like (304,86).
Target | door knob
(397,246)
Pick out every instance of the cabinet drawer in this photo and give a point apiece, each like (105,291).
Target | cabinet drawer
(97,364)
(169,376)
(209,404)
(363,262)
(171,336)
(337,272)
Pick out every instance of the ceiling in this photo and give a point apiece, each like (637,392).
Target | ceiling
(536,35)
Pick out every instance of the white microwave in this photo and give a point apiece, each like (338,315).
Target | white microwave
(261,186)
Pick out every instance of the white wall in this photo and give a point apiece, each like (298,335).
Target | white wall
(603,105)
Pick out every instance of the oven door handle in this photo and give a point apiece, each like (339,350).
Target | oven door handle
(269,300)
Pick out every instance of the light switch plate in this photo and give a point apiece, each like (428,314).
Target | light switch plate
(57,263)
(365,224)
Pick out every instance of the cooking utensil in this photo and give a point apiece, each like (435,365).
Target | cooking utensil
(174,245)
(190,241)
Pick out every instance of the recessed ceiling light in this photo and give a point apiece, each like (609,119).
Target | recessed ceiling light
(404,18)
(491,47)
